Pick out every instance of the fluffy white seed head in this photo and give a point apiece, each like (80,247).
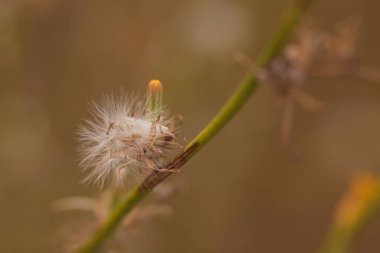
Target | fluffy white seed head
(123,142)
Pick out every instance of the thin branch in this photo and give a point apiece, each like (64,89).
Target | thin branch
(228,111)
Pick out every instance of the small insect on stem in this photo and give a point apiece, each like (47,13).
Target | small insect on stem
(127,139)
(287,74)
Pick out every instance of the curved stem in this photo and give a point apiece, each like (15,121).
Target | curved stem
(359,205)
(228,111)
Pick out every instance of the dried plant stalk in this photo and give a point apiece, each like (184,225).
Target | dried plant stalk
(291,17)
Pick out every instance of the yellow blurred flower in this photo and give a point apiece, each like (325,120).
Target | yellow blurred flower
(363,191)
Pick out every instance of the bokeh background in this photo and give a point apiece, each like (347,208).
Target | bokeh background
(246,191)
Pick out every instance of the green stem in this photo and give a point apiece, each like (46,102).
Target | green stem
(232,106)
(112,221)
(340,237)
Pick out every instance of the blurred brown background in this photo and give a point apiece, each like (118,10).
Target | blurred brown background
(247,192)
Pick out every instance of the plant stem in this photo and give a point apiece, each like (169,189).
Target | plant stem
(112,221)
(361,209)
(228,111)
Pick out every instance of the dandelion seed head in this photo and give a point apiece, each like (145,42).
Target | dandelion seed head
(123,141)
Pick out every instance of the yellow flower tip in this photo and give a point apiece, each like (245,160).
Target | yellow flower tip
(364,186)
(155,86)
(361,192)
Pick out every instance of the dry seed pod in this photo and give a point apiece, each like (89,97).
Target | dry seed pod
(343,42)
(125,140)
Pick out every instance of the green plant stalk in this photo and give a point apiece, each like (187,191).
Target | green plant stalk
(339,238)
(112,221)
(230,109)
(290,18)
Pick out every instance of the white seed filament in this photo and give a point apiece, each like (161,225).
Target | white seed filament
(123,143)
